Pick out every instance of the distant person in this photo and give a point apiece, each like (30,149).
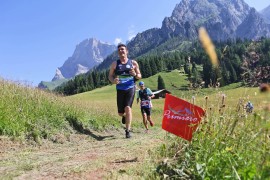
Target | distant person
(145,95)
(249,107)
(124,72)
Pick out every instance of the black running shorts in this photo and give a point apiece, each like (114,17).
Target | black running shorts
(147,111)
(125,98)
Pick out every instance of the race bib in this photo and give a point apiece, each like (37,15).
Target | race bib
(145,104)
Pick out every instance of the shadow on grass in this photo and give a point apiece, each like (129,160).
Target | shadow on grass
(183,88)
(73,122)
(126,160)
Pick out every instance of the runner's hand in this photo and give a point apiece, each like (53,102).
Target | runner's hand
(132,72)
(116,80)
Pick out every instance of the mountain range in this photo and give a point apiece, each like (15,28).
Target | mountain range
(266,14)
(88,54)
(223,19)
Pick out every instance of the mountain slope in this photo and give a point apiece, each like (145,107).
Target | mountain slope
(266,14)
(87,54)
(254,26)
(223,19)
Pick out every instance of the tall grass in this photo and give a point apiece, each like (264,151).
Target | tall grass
(29,113)
(229,143)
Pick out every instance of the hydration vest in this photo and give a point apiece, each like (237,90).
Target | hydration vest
(143,94)
(144,97)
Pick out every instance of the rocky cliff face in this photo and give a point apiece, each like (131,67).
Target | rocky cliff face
(58,75)
(266,14)
(88,53)
(220,17)
(223,19)
(253,27)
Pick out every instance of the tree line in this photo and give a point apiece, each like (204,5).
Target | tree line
(239,60)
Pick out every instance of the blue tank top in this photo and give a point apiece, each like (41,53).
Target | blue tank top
(122,71)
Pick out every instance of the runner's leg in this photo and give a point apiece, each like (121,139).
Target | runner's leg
(144,119)
(120,102)
(148,113)
(128,112)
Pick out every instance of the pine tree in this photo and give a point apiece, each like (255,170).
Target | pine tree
(153,67)
(207,71)
(187,69)
(90,81)
(96,78)
(161,84)
(159,63)
(147,69)
(233,75)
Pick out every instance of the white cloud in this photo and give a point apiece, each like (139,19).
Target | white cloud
(131,32)
(117,41)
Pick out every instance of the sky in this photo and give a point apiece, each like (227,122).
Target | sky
(38,36)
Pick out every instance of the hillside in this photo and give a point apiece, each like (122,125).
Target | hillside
(240,61)
(52,84)
(266,14)
(90,143)
(223,19)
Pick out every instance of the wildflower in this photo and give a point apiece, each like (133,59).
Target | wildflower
(229,148)
(223,99)
(193,99)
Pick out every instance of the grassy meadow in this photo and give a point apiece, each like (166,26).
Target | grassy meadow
(32,114)
(228,144)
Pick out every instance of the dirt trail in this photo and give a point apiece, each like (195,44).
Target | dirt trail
(94,156)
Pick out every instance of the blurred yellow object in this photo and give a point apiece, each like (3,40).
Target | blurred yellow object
(208,46)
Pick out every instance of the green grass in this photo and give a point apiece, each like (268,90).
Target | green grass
(229,144)
(173,81)
(28,113)
(51,85)
(105,98)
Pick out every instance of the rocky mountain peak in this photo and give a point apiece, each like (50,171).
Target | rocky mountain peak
(223,19)
(87,54)
(58,75)
(266,14)
(253,27)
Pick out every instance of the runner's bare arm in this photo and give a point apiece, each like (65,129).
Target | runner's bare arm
(137,70)
(112,74)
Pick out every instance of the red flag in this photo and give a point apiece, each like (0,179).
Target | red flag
(181,117)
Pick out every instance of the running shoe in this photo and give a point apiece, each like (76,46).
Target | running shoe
(151,123)
(146,131)
(128,135)
(123,120)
